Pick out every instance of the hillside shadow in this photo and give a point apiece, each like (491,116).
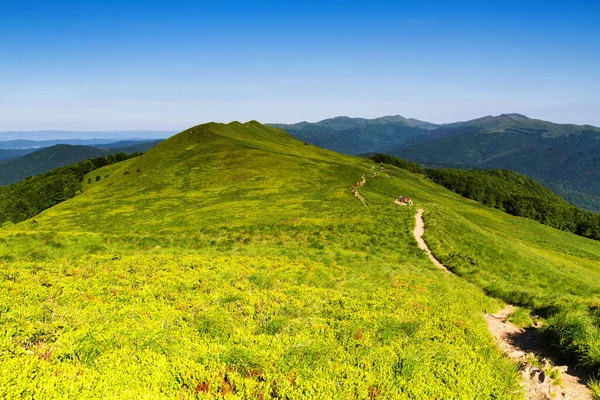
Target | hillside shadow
(530,340)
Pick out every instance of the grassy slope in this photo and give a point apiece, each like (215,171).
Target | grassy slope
(238,257)
(103,173)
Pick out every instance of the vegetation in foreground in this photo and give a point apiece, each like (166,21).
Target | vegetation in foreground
(233,261)
(264,278)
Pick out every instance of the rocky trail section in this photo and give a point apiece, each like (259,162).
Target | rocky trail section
(541,380)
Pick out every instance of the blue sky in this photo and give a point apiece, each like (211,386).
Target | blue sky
(167,65)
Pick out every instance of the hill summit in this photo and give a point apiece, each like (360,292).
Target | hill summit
(192,175)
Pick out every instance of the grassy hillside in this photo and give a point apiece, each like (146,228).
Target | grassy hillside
(233,261)
(49,158)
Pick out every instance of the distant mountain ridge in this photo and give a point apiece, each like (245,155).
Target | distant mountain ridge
(48,158)
(65,137)
(359,135)
(564,157)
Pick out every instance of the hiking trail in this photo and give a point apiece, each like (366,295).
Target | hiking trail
(357,194)
(522,346)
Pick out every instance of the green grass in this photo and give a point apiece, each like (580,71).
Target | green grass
(232,261)
(91,179)
(521,317)
(594,385)
(554,273)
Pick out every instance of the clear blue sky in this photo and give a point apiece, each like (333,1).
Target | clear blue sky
(101,65)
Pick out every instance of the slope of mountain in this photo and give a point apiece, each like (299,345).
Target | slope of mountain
(359,135)
(129,147)
(563,157)
(5,154)
(234,261)
(27,198)
(46,159)
(519,195)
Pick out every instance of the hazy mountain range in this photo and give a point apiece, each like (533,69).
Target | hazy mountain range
(82,137)
(564,157)
(36,162)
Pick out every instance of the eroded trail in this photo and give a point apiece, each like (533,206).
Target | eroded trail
(418,232)
(522,346)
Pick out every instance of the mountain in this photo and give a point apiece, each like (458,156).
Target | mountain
(234,261)
(16,169)
(359,135)
(124,143)
(13,153)
(33,145)
(564,157)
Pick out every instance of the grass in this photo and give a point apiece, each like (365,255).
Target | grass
(232,261)
(553,273)
(521,317)
(594,385)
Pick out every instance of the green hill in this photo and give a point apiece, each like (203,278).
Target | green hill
(234,261)
(46,159)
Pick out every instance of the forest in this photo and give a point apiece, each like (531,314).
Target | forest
(518,195)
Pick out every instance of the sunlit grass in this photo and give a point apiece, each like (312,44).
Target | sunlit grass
(233,261)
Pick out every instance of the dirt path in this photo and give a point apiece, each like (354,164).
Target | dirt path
(522,346)
(419,231)
(357,194)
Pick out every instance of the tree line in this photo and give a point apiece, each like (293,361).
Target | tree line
(518,195)
(29,197)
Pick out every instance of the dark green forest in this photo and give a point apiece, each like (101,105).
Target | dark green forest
(33,195)
(518,195)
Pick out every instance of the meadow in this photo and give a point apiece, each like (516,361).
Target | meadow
(232,261)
